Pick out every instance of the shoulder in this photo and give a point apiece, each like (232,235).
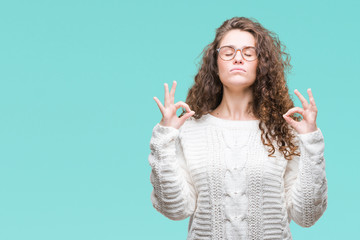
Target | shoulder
(190,122)
(193,125)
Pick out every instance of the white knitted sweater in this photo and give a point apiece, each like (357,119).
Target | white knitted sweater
(218,173)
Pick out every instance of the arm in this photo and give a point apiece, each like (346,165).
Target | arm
(305,181)
(173,195)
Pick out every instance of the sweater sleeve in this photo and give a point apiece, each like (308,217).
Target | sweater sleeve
(305,180)
(173,193)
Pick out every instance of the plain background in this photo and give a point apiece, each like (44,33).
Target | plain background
(77,111)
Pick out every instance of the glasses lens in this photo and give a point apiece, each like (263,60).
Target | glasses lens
(226,53)
(249,53)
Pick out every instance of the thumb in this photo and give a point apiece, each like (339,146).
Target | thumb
(289,120)
(186,116)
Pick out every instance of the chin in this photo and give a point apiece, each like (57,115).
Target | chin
(239,81)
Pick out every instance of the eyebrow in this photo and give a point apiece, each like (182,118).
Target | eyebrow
(235,47)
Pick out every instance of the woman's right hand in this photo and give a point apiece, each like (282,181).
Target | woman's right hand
(170,119)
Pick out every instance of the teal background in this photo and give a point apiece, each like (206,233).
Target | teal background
(77,111)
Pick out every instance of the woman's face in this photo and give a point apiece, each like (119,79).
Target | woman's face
(237,73)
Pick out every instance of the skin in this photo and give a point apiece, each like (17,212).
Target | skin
(170,119)
(168,110)
(237,92)
(237,84)
(309,113)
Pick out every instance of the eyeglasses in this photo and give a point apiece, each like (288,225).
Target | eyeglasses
(248,53)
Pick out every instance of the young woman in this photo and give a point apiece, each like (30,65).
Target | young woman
(237,162)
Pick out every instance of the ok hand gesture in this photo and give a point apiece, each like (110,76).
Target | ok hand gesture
(309,112)
(170,119)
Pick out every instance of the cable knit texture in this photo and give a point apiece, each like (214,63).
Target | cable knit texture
(218,173)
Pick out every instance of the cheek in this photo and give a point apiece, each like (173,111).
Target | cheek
(254,67)
(221,66)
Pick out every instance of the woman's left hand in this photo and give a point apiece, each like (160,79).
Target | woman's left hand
(309,112)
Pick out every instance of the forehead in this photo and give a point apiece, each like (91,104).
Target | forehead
(238,39)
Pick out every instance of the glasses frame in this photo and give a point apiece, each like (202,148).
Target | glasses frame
(241,52)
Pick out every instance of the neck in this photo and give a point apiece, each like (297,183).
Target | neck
(234,105)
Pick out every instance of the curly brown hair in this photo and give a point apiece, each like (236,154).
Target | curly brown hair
(271,98)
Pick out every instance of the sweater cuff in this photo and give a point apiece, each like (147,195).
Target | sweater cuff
(164,135)
(164,130)
(163,139)
(313,142)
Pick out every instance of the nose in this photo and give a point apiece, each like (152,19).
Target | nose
(238,56)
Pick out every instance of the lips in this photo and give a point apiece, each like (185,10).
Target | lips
(237,69)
